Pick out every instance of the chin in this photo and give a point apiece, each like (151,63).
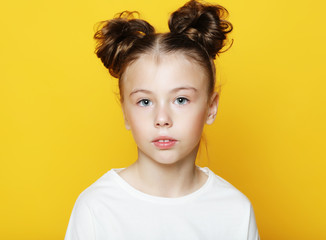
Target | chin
(167,160)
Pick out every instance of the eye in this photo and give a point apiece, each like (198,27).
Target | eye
(181,100)
(144,103)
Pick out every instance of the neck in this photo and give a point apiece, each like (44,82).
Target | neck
(165,180)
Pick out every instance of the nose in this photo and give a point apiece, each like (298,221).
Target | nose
(163,118)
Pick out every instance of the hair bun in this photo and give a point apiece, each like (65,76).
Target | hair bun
(202,23)
(116,37)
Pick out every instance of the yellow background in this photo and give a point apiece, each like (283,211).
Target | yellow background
(61,127)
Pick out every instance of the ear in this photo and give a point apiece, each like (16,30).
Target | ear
(125,119)
(212,108)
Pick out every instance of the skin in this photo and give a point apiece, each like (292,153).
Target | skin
(166,97)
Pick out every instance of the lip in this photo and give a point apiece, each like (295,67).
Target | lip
(164,142)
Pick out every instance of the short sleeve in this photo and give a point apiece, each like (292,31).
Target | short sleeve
(80,226)
(252,228)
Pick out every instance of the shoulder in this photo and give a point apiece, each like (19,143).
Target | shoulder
(224,191)
(88,204)
(102,189)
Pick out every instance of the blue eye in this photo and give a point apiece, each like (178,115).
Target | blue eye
(144,103)
(181,100)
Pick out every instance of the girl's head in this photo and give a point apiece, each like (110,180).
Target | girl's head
(197,32)
(166,80)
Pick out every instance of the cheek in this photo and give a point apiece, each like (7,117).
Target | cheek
(199,122)
(193,124)
(139,124)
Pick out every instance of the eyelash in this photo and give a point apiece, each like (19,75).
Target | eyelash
(146,102)
(183,99)
(141,102)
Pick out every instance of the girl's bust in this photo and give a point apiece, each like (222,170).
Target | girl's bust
(167,83)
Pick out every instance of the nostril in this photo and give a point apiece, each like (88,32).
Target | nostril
(162,124)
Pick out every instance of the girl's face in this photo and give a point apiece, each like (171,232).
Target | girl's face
(166,106)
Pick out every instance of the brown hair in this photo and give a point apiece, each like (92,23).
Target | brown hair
(197,30)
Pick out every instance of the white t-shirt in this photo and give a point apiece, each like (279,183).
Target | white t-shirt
(112,209)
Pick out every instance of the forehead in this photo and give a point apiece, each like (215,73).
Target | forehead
(164,71)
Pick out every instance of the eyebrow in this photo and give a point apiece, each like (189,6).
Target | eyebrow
(140,90)
(184,88)
(173,90)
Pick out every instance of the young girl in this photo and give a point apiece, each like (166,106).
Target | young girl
(167,94)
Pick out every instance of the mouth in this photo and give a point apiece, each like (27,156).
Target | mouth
(164,142)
